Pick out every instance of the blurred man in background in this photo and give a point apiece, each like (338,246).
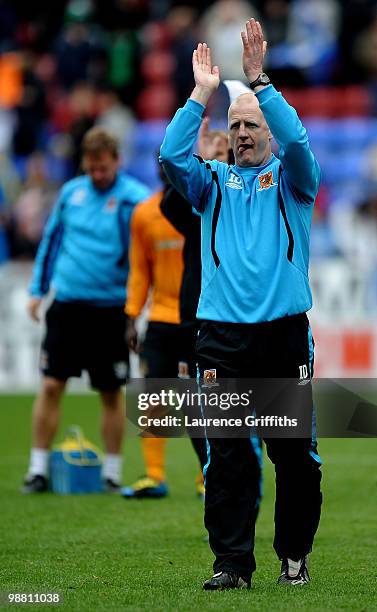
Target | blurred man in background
(84,257)
(179,212)
(155,267)
(211,145)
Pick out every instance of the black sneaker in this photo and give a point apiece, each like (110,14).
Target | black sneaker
(35,484)
(110,486)
(226,580)
(294,572)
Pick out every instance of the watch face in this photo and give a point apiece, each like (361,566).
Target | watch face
(263,79)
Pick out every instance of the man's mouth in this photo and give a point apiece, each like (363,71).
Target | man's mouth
(244,147)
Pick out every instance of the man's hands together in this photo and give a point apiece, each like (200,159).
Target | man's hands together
(207,77)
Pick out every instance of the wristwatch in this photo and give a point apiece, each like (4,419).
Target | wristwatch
(262,79)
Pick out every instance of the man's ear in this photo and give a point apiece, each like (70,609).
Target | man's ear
(270,137)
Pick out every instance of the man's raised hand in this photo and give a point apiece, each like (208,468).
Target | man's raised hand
(207,77)
(254,50)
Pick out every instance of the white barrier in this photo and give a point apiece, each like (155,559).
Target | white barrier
(344,325)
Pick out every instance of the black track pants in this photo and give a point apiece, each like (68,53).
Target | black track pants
(275,349)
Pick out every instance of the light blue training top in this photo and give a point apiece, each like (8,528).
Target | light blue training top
(255,221)
(84,249)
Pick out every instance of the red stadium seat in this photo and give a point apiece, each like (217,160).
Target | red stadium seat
(156,102)
(156,36)
(157,67)
(331,102)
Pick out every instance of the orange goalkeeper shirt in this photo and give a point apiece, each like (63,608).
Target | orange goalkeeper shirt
(156,263)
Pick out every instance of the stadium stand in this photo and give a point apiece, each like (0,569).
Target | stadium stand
(67,67)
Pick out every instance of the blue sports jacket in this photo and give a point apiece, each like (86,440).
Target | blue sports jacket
(84,249)
(255,221)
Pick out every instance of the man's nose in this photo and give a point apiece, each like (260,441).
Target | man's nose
(242,133)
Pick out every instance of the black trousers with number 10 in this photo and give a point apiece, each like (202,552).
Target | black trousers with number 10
(266,350)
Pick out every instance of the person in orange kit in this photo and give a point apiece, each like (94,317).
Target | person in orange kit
(156,268)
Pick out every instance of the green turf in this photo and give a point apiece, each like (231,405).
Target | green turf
(106,553)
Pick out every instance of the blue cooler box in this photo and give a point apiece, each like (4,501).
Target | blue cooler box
(75,465)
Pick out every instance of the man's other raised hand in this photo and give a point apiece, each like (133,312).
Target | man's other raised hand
(254,50)
(207,77)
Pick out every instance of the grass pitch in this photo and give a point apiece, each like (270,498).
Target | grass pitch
(105,553)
